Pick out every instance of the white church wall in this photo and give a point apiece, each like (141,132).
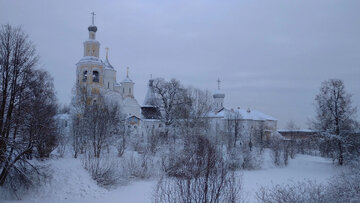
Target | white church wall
(109,79)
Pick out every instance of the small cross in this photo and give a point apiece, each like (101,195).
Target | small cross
(93,17)
(218,81)
(127,72)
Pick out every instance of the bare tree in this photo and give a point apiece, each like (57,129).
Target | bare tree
(94,124)
(173,100)
(334,115)
(201,175)
(233,119)
(292,128)
(195,122)
(27,106)
(293,192)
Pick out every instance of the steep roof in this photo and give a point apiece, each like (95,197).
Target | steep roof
(108,65)
(90,60)
(150,97)
(127,80)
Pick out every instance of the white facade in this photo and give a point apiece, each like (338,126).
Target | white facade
(248,120)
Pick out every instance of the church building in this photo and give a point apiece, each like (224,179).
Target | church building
(98,77)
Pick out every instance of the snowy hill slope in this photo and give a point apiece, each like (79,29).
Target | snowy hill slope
(70,182)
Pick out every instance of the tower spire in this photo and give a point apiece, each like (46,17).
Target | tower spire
(107,53)
(218,81)
(127,72)
(93,17)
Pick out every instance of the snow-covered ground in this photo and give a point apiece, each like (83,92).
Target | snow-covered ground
(71,183)
(301,168)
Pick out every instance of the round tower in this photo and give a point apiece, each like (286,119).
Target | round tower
(127,86)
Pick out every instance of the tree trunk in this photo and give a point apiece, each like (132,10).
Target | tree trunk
(340,158)
(3,176)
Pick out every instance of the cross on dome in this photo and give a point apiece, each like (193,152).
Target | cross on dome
(93,17)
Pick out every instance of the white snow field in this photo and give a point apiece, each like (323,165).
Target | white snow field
(71,183)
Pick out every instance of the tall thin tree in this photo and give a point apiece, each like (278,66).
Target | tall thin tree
(335,115)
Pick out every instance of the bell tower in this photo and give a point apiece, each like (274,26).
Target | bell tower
(127,86)
(92,46)
(90,68)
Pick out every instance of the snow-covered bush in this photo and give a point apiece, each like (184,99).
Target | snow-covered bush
(252,159)
(244,158)
(24,179)
(140,166)
(61,148)
(346,186)
(279,150)
(296,192)
(217,187)
(104,170)
(199,174)
(235,159)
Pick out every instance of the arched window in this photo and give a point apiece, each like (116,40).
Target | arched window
(108,85)
(85,76)
(129,90)
(95,76)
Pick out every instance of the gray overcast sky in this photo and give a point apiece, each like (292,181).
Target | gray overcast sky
(270,55)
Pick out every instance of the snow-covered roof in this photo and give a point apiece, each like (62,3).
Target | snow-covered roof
(254,115)
(108,65)
(91,41)
(90,60)
(296,130)
(151,120)
(127,80)
(245,114)
(129,116)
(147,105)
